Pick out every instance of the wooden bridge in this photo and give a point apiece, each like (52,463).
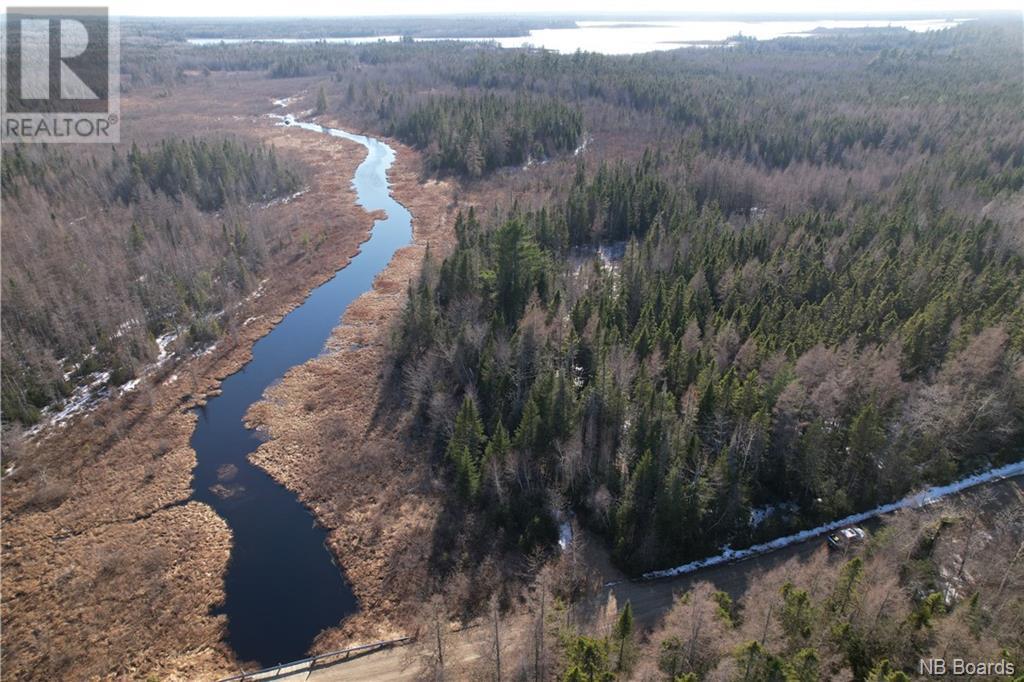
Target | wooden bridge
(308,665)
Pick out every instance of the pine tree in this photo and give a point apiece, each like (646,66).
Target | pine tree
(465,449)
(588,660)
(498,446)
(805,666)
(865,443)
(796,614)
(623,632)
(495,456)
(884,672)
(529,427)
(321,102)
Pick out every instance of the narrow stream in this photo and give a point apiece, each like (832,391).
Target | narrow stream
(282,585)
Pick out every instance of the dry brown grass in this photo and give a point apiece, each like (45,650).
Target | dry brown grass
(102,575)
(86,495)
(133,599)
(371,490)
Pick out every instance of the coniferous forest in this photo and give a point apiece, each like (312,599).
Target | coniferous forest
(476,135)
(670,304)
(829,364)
(673,344)
(785,275)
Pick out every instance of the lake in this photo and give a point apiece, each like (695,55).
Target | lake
(623,36)
(617,37)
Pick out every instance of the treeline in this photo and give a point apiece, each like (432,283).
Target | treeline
(475,134)
(466,26)
(860,103)
(211,175)
(811,363)
(104,253)
(811,113)
(812,108)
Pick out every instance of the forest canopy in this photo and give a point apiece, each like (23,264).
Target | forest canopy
(688,351)
(828,365)
(473,135)
(779,275)
(104,253)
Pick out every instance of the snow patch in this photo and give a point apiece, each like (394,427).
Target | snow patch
(94,389)
(205,351)
(284,200)
(921,499)
(163,342)
(758,515)
(564,534)
(256,293)
(564,521)
(126,327)
(530,161)
(583,147)
(610,255)
(83,398)
(131,385)
(285,120)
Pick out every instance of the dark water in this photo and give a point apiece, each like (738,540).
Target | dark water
(282,585)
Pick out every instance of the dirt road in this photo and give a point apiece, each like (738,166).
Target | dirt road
(650,600)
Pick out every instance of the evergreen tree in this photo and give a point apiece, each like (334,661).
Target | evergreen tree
(321,102)
(465,449)
(588,660)
(623,632)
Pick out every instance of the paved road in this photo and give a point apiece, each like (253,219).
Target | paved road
(650,601)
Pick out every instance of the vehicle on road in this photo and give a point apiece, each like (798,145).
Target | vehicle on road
(847,537)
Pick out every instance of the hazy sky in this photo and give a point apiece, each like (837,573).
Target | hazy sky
(378,7)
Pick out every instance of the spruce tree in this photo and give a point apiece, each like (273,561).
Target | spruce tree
(321,102)
(624,632)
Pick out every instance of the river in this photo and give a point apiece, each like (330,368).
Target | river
(282,586)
